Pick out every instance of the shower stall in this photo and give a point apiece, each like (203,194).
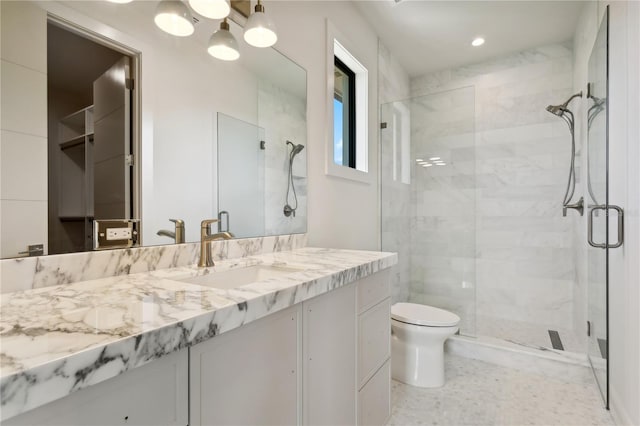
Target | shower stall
(495,193)
(472,184)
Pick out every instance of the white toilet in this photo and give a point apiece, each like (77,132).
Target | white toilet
(418,333)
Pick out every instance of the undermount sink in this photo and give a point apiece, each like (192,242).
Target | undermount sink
(233,278)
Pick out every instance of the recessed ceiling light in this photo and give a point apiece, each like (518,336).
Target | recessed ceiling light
(434,158)
(441,164)
(478,41)
(427,165)
(419,160)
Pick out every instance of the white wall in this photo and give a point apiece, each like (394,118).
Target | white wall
(23,123)
(624,190)
(342,213)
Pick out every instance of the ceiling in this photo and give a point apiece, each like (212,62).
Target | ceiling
(427,36)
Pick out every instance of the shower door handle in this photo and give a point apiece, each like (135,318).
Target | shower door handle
(620,239)
(606,209)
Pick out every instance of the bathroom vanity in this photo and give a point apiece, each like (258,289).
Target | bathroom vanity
(308,343)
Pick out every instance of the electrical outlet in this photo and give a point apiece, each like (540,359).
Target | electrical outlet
(118,234)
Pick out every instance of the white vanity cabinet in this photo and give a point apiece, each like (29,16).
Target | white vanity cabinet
(346,353)
(324,361)
(329,358)
(154,394)
(374,349)
(250,375)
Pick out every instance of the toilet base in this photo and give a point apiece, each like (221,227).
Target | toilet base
(415,366)
(417,355)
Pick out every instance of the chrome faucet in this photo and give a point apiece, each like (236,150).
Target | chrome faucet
(177,235)
(206,258)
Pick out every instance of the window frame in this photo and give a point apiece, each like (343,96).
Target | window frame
(338,46)
(351,118)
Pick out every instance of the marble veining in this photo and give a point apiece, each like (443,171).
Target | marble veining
(43,271)
(59,339)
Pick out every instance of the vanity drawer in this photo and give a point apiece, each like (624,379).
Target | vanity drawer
(373,289)
(374,339)
(374,399)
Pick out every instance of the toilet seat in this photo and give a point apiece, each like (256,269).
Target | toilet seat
(413,313)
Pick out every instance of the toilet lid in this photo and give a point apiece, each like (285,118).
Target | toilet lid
(412,313)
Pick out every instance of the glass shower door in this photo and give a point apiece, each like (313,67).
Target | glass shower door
(598,208)
(428,200)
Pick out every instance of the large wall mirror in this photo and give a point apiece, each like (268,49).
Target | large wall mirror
(105,116)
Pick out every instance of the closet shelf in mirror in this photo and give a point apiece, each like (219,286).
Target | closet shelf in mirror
(78,140)
(77,124)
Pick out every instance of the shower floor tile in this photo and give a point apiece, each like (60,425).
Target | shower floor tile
(477,393)
(527,334)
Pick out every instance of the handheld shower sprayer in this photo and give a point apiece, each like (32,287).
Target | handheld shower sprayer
(295,148)
(566,114)
(288,210)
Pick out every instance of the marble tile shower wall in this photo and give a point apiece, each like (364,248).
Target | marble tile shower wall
(525,269)
(395,195)
(44,271)
(283,115)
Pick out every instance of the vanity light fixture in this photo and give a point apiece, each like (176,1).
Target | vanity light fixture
(174,17)
(223,44)
(260,31)
(478,41)
(212,9)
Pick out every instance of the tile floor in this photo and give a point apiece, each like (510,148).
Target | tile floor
(477,393)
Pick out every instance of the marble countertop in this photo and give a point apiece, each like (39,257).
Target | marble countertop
(57,340)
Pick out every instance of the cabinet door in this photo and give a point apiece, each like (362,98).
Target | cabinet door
(329,358)
(374,340)
(154,394)
(248,376)
(374,399)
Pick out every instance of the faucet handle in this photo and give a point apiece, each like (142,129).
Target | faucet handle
(205,225)
(178,222)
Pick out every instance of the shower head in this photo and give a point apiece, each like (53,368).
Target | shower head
(560,110)
(295,150)
(556,110)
